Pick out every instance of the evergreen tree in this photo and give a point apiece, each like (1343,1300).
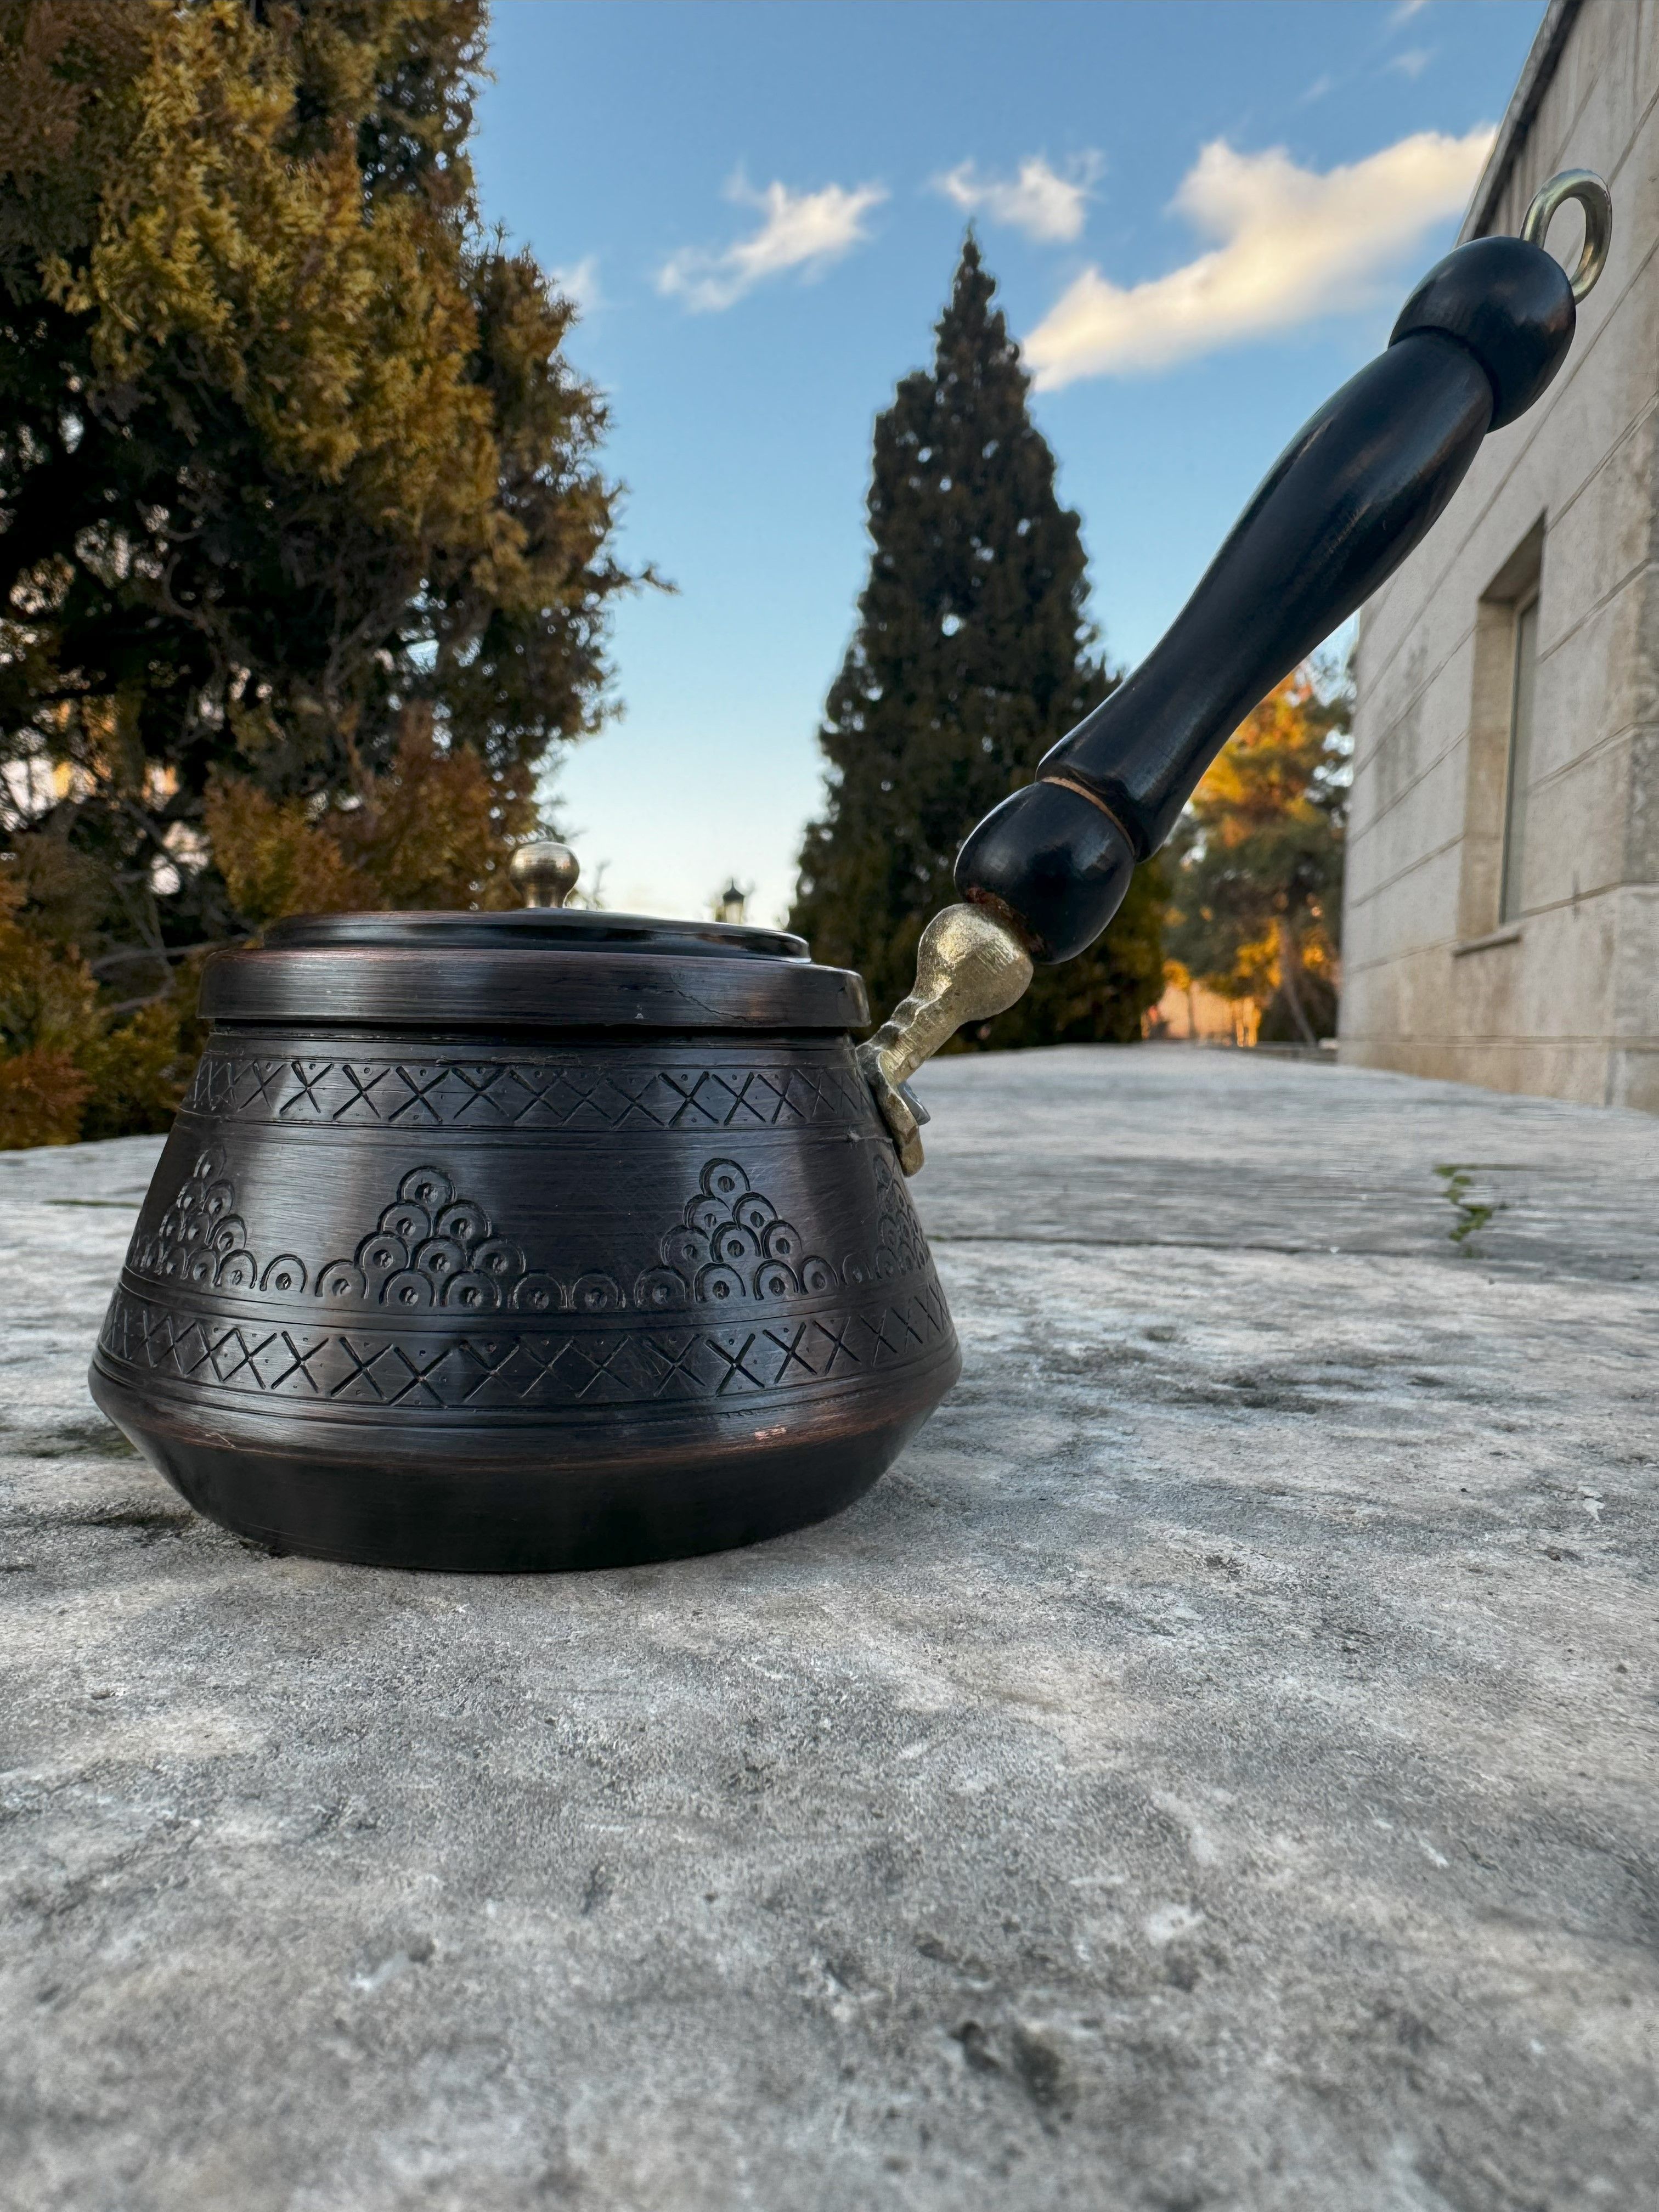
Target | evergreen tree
(973,654)
(299,499)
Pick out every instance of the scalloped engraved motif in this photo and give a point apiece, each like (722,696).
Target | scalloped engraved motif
(434,1248)
(520,1094)
(542,1369)
(201,1238)
(732,1244)
(901,1248)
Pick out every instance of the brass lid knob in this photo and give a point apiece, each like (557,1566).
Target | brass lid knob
(544,872)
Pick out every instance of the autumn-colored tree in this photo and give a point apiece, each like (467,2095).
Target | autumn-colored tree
(303,544)
(973,654)
(1257,900)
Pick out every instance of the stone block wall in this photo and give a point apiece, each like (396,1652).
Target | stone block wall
(1564,999)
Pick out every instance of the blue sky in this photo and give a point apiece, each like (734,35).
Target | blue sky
(1202,214)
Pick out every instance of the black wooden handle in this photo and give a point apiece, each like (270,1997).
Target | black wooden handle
(1345,503)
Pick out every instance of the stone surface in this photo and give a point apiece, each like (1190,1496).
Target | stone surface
(1216,1769)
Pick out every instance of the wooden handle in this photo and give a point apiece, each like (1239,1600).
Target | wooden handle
(1357,489)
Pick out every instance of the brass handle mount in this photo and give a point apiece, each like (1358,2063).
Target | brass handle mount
(970,964)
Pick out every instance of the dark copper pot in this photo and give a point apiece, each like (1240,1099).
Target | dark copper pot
(544,1240)
(524,1241)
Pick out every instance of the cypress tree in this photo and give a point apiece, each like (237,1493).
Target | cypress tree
(973,653)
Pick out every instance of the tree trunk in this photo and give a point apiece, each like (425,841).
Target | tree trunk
(1290,977)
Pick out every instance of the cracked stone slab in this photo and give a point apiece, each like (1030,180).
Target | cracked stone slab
(1215,1769)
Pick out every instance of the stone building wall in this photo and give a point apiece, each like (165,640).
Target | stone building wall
(1563,998)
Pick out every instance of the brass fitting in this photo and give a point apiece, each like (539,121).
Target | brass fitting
(969,965)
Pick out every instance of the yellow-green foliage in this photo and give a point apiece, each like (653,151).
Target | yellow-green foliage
(274,858)
(435,829)
(304,555)
(341,327)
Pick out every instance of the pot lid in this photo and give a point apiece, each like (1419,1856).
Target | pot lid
(542,967)
(537,929)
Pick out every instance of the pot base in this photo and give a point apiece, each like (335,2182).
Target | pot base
(524,1501)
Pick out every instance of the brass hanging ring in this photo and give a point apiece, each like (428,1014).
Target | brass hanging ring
(1593,196)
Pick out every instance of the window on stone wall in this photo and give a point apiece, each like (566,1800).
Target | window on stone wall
(1517,781)
(1500,744)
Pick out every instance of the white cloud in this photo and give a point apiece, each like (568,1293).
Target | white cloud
(1293,244)
(579,283)
(801,230)
(1413,62)
(1039,201)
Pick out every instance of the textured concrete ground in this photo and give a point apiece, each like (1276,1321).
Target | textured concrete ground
(1216,1769)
